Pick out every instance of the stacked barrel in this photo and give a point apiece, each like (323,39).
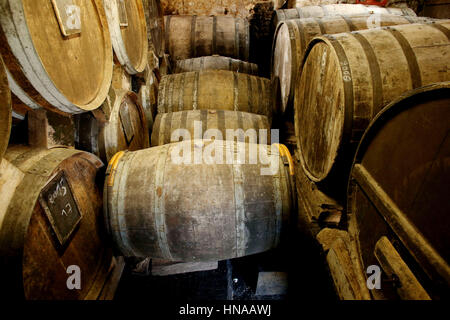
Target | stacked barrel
(370,82)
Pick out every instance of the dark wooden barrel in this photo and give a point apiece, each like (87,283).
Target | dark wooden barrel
(398,197)
(198,36)
(51,218)
(436,9)
(335,10)
(125,127)
(65,67)
(225,211)
(128,29)
(214,122)
(347,78)
(5,110)
(292,38)
(155,25)
(215,90)
(215,62)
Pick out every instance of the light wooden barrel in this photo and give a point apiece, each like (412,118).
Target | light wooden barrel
(125,128)
(51,219)
(69,74)
(126,20)
(197,36)
(225,211)
(5,110)
(214,122)
(215,90)
(398,195)
(215,63)
(335,10)
(292,37)
(347,78)
(155,25)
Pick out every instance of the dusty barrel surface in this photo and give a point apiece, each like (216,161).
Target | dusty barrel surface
(215,63)
(58,60)
(225,211)
(155,25)
(215,90)
(292,38)
(347,79)
(127,25)
(5,110)
(397,195)
(204,121)
(197,36)
(125,127)
(307,3)
(51,218)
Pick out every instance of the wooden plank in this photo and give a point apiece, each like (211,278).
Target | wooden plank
(178,268)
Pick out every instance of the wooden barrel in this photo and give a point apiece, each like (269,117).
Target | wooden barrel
(5,110)
(307,3)
(398,195)
(197,36)
(51,220)
(125,128)
(336,10)
(155,25)
(215,90)
(126,20)
(225,211)
(211,122)
(292,37)
(215,63)
(148,99)
(436,9)
(347,78)
(59,60)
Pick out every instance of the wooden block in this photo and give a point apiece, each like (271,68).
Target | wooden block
(328,236)
(272,284)
(112,282)
(178,268)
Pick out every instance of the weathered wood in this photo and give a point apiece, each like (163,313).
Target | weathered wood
(436,9)
(198,36)
(148,99)
(112,282)
(5,110)
(347,79)
(393,185)
(215,90)
(33,259)
(292,38)
(125,127)
(199,122)
(165,66)
(127,25)
(179,268)
(68,74)
(225,211)
(215,63)
(155,25)
(121,80)
(307,3)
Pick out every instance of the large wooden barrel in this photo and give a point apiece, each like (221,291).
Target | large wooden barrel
(336,10)
(50,220)
(126,20)
(125,128)
(210,122)
(292,37)
(215,90)
(347,78)
(197,36)
(225,211)
(155,25)
(57,58)
(5,110)
(398,197)
(215,62)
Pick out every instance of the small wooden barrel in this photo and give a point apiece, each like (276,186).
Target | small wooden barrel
(126,20)
(198,36)
(336,10)
(225,211)
(215,90)
(215,63)
(5,110)
(399,195)
(292,37)
(211,122)
(51,219)
(125,128)
(347,78)
(155,25)
(59,57)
